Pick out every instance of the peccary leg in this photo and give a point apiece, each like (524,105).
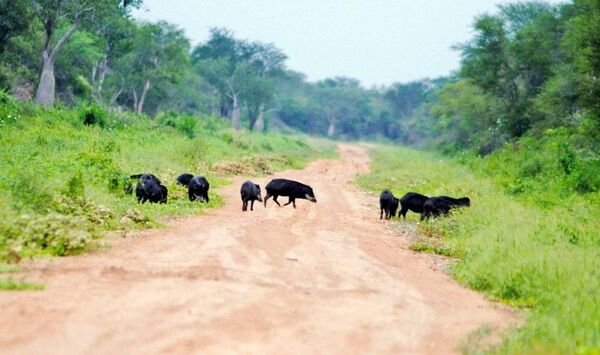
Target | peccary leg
(403,212)
(252,205)
(267,197)
(275,199)
(381,214)
(244,205)
(289,201)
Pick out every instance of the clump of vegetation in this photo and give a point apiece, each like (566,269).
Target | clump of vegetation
(93,115)
(254,165)
(11,285)
(534,247)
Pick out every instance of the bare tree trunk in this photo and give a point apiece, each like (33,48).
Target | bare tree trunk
(259,126)
(235,114)
(331,129)
(140,106)
(102,76)
(116,95)
(47,85)
(46,88)
(94,71)
(135,100)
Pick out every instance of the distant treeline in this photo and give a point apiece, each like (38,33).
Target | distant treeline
(530,67)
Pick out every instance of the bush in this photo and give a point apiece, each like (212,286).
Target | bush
(185,124)
(82,87)
(53,234)
(93,115)
(75,187)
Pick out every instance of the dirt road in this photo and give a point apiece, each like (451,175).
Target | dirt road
(326,278)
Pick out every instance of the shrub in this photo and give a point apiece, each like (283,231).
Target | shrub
(187,125)
(93,115)
(75,187)
(53,234)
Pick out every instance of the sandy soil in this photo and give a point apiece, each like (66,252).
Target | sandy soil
(325,278)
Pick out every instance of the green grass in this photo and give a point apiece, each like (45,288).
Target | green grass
(8,284)
(61,181)
(11,285)
(535,249)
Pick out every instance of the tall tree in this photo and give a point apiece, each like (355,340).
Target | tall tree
(159,55)
(53,14)
(583,42)
(215,60)
(266,63)
(240,71)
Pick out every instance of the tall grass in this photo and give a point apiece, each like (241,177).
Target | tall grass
(62,171)
(536,248)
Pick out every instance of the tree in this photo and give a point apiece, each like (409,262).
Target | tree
(484,59)
(53,14)
(582,40)
(239,71)
(405,98)
(465,117)
(215,60)
(266,63)
(15,18)
(344,105)
(159,55)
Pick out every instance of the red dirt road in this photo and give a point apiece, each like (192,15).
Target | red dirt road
(327,278)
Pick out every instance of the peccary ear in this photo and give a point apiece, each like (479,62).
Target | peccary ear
(257,185)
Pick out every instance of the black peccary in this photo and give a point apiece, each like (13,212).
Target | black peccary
(412,201)
(441,205)
(198,188)
(150,188)
(388,204)
(250,192)
(290,188)
(184,179)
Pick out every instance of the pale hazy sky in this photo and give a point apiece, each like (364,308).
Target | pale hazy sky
(375,41)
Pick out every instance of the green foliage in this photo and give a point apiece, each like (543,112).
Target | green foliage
(186,124)
(535,247)
(582,40)
(11,285)
(14,24)
(93,115)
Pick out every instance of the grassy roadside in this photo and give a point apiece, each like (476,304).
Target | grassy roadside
(61,180)
(539,251)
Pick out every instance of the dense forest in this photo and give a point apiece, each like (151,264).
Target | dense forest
(530,67)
